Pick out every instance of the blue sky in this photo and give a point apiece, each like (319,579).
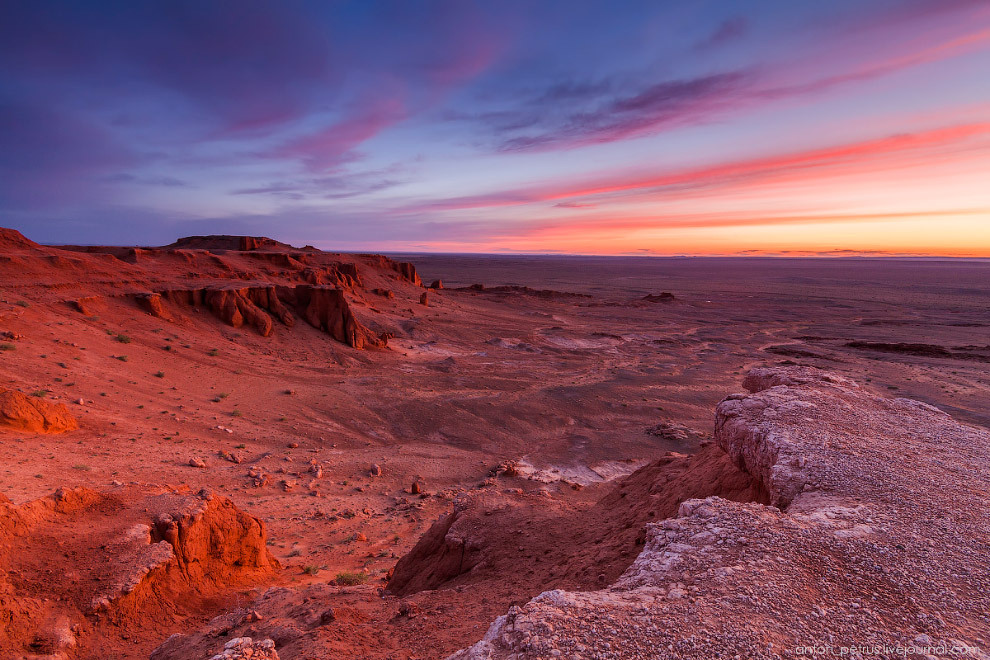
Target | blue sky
(633,127)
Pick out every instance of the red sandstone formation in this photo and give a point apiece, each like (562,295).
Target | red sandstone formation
(34,414)
(407,271)
(141,559)
(327,309)
(242,280)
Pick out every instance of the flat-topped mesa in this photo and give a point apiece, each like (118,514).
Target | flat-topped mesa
(228,242)
(859,484)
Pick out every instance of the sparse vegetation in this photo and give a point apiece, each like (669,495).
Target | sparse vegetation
(311,569)
(122,338)
(350,578)
(159,374)
(214,352)
(84,468)
(7,346)
(23,303)
(122,358)
(236,413)
(41,394)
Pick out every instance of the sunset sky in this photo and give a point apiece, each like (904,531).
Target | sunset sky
(757,127)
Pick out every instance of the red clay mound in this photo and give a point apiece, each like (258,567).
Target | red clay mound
(29,413)
(11,238)
(130,564)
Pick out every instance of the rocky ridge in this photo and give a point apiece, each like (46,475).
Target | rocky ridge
(875,544)
(241,280)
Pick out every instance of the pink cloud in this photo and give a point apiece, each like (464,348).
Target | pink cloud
(857,156)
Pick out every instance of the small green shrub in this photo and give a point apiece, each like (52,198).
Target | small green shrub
(122,338)
(7,347)
(350,578)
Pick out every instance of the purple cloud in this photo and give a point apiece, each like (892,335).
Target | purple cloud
(617,116)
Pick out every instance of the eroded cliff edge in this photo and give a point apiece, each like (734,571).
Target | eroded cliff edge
(876,537)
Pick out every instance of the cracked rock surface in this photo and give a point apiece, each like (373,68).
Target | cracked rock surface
(875,544)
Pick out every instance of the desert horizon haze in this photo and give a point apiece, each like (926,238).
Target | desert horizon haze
(581,127)
(494,330)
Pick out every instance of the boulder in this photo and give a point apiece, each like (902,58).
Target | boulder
(34,414)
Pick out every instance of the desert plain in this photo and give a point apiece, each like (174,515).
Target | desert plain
(360,456)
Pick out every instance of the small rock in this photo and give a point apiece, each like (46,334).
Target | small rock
(197,462)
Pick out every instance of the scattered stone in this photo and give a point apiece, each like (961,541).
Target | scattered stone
(376,470)
(197,462)
(243,648)
(229,456)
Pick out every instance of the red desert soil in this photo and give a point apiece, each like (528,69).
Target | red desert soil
(504,439)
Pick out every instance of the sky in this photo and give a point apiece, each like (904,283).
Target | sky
(647,128)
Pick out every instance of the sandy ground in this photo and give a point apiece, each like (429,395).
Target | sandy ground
(567,385)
